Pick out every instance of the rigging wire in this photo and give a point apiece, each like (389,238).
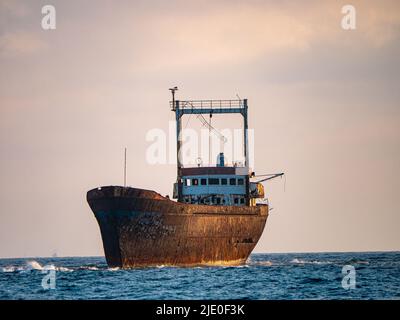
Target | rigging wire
(207,124)
(187,122)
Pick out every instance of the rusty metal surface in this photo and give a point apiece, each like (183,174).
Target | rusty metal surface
(142,228)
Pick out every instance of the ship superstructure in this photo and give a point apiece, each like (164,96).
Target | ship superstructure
(220,184)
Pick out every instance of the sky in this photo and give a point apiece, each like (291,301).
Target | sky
(323,104)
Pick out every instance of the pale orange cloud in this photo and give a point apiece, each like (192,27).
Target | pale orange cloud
(243,32)
(16,8)
(20,44)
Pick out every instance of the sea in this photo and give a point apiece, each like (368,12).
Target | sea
(355,275)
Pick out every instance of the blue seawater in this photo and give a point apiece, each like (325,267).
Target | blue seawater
(265,276)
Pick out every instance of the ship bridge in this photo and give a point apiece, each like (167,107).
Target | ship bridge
(219,185)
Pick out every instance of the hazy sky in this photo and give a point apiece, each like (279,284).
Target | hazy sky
(324,106)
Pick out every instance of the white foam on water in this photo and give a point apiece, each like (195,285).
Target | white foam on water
(92,268)
(33,265)
(263,263)
(300,261)
(114,269)
(322,262)
(63,269)
(266,263)
(87,268)
(295,260)
(9,269)
(50,267)
(30,265)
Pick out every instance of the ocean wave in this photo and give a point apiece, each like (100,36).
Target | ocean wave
(240,266)
(231,267)
(11,269)
(291,276)
(90,268)
(356,261)
(33,265)
(301,261)
(266,263)
(113,269)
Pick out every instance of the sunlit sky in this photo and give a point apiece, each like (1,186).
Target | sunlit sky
(324,107)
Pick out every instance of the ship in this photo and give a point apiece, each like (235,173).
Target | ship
(216,218)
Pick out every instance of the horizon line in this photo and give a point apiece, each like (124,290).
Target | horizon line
(290,252)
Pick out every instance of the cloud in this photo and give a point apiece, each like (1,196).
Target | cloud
(380,24)
(239,33)
(229,35)
(21,43)
(16,8)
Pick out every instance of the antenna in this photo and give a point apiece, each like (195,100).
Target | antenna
(209,142)
(125,169)
(240,104)
(173,96)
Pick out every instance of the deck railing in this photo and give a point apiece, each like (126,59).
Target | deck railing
(207,104)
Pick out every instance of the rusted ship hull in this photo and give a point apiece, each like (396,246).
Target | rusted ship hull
(142,228)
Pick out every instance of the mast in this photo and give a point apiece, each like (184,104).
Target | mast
(178,115)
(245,134)
(209,141)
(175,107)
(125,168)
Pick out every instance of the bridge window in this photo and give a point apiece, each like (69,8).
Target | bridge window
(236,200)
(218,200)
(232,181)
(240,181)
(241,200)
(195,182)
(213,181)
(224,181)
(203,182)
